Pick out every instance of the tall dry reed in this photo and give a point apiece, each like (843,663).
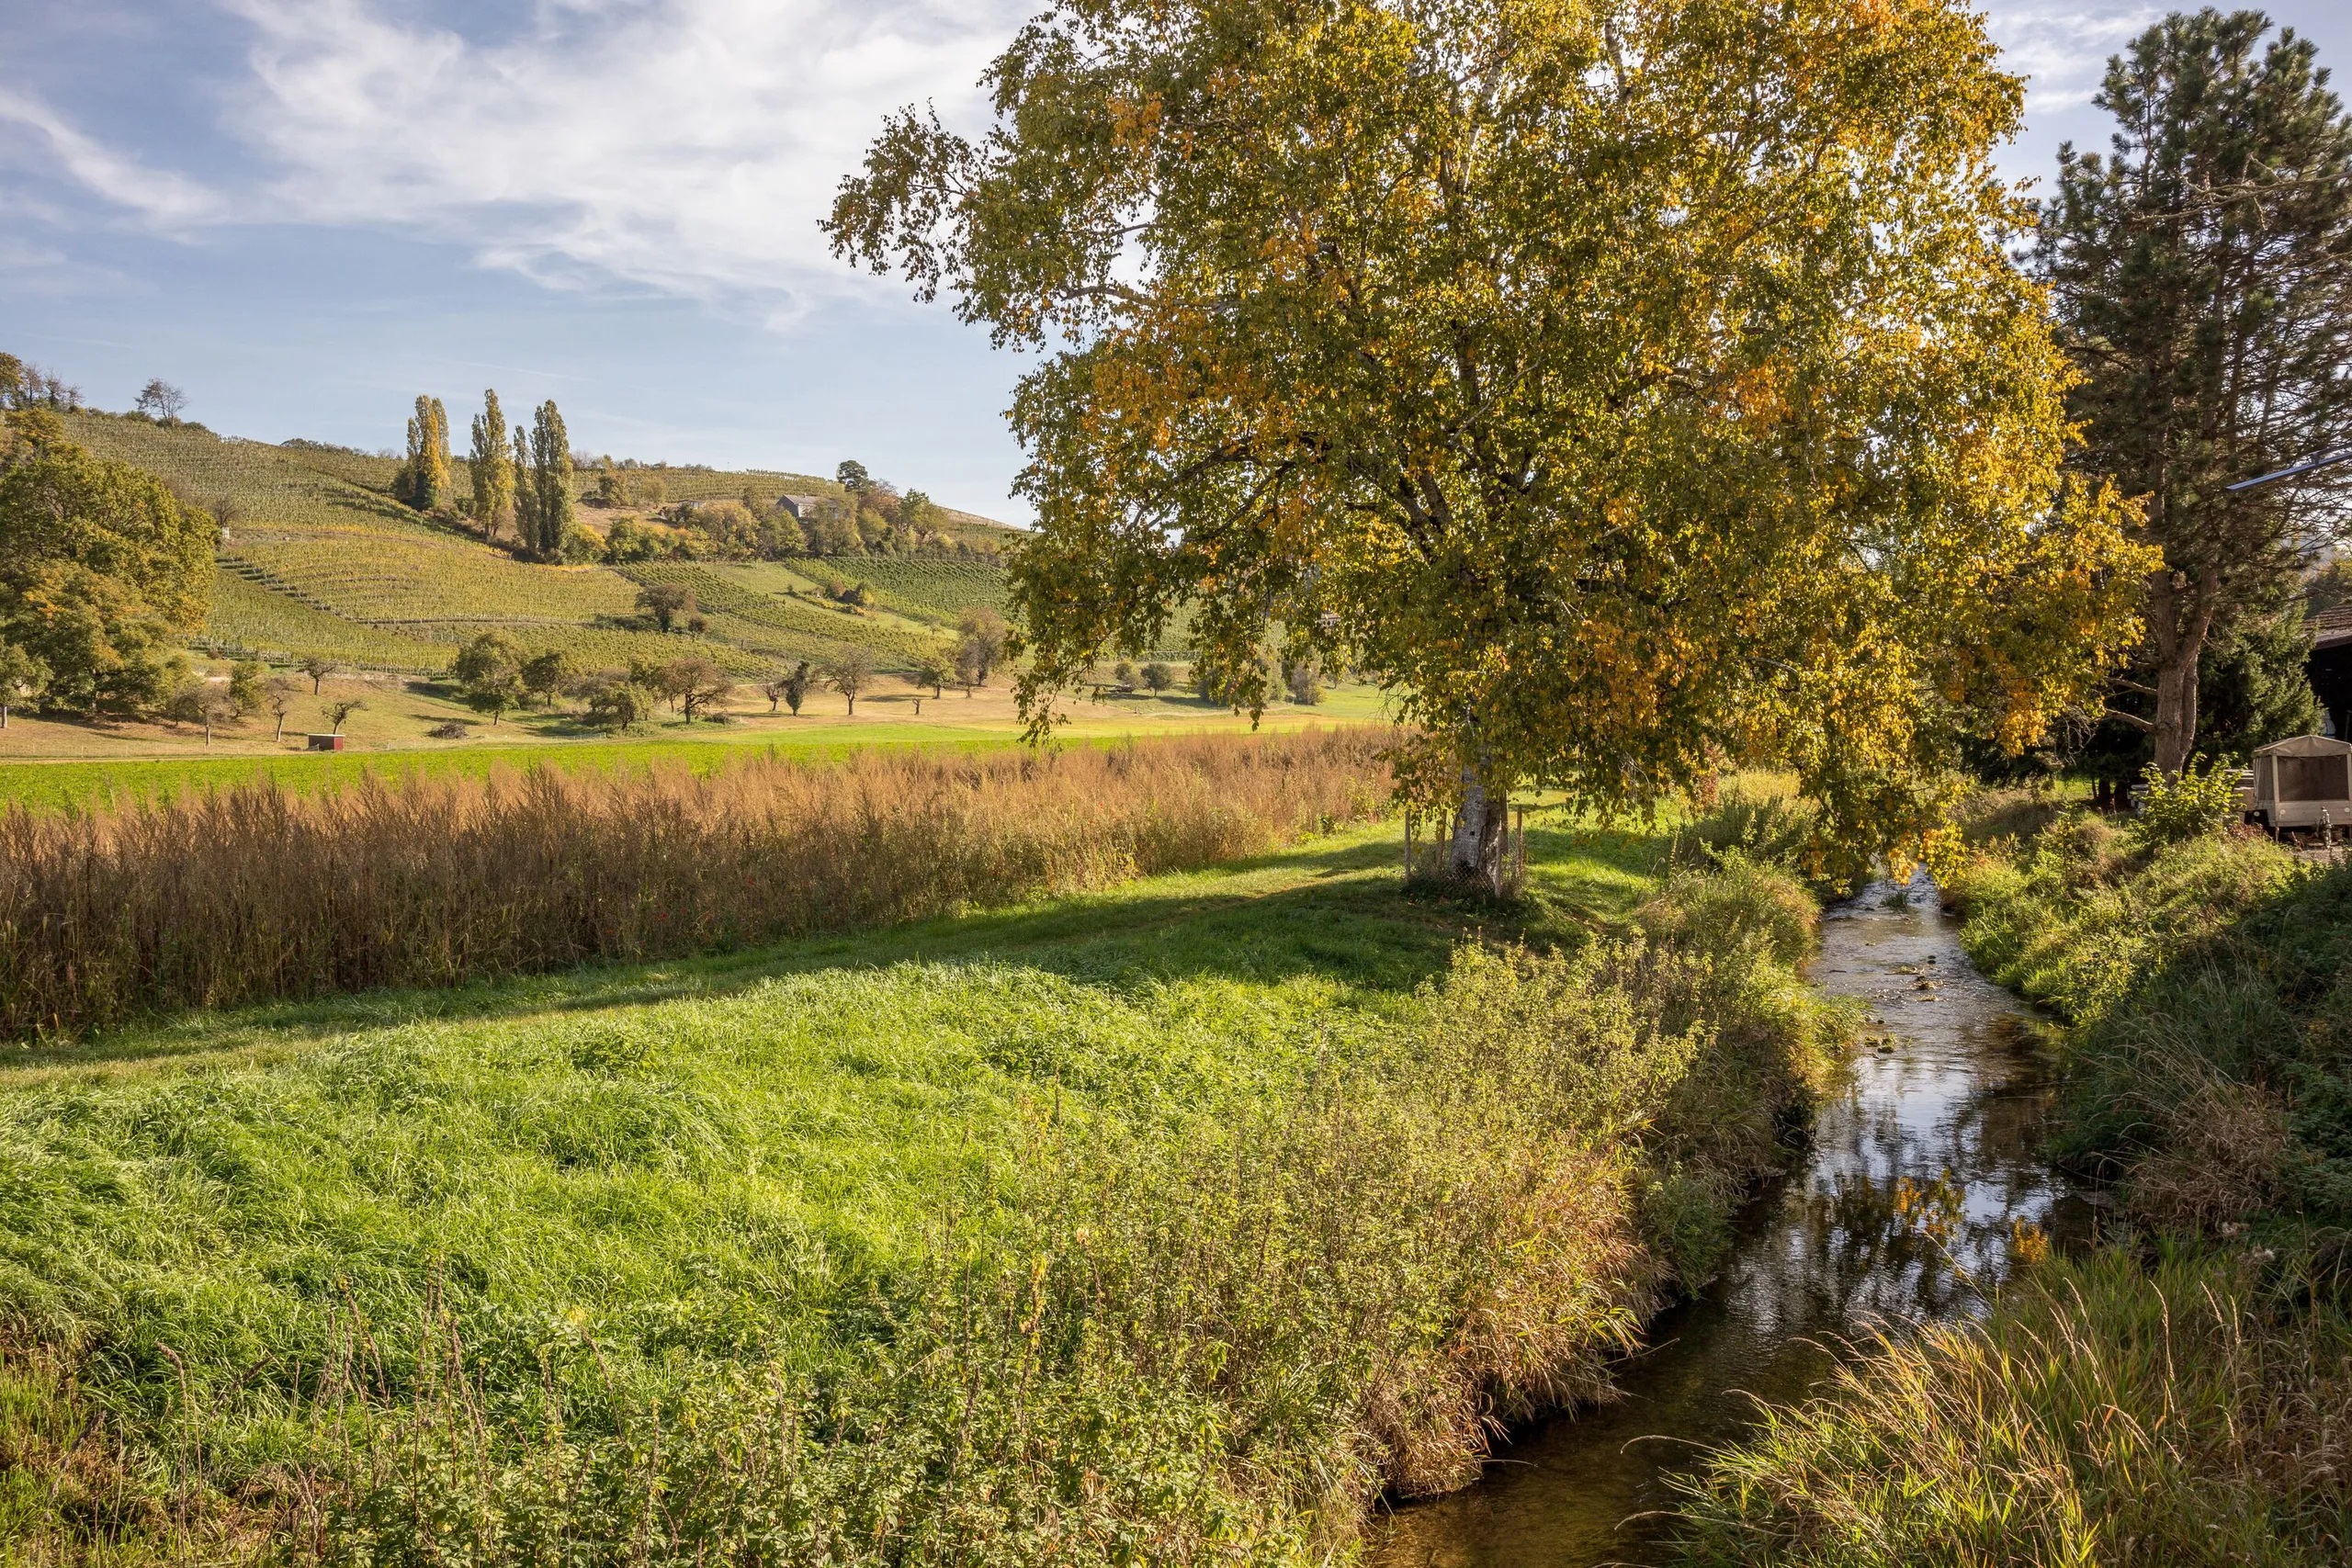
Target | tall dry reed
(253,893)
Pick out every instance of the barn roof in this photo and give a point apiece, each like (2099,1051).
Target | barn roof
(2305,746)
(2331,628)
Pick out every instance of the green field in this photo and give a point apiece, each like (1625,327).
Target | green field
(1171,1187)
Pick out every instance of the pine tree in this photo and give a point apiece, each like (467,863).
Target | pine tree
(2202,273)
(550,482)
(494,471)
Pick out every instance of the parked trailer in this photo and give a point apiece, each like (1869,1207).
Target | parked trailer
(2303,787)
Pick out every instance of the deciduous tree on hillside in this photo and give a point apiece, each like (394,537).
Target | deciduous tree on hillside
(489,672)
(550,483)
(1609,382)
(102,569)
(492,470)
(161,402)
(2203,272)
(667,602)
(423,480)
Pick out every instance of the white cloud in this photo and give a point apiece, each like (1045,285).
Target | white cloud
(170,201)
(2062,49)
(688,146)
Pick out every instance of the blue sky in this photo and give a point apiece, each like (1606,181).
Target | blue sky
(306,211)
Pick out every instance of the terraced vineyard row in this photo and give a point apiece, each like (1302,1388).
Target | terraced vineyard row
(936,590)
(599,647)
(274,486)
(249,620)
(791,628)
(384,580)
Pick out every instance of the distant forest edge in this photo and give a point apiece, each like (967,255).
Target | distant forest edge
(330,552)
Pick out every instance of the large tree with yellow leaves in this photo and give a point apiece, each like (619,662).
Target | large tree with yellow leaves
(1620,385)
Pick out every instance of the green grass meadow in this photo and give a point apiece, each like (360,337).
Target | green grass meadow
(1166,1222)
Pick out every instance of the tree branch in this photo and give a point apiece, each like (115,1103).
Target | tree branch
(2144,725)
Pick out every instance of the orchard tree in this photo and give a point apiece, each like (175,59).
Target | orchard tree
(102,569)
(2202,273)
(488,673)
(545,675)
(981,638)
(277,696)
(698,686)
(335,710)
(850,674)
(795,686)
(318,669)
(1610,383)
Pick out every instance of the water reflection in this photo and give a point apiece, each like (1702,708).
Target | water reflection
(1921,1184)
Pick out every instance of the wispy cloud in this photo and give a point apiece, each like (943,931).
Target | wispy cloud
(2062,49)
(687,146)
(683,147)
(168,201)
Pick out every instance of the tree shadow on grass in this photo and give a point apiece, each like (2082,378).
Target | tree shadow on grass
(1323,908)
(1333,908)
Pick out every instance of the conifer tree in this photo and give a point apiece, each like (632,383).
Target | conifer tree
(550,482)
(494,473)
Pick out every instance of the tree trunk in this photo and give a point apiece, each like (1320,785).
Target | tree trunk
(2175,731)
(1480,828)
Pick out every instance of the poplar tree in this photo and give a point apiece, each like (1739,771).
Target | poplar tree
(492,471)
(550,482)
(526,491)
(426,475)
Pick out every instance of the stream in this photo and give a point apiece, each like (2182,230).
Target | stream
(1905,1208)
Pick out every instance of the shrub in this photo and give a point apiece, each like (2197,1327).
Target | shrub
(2192,805)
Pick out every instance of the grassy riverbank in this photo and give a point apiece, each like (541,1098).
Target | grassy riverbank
(2184,1396)
(1166,1223)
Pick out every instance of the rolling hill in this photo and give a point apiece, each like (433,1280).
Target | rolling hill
(317,559)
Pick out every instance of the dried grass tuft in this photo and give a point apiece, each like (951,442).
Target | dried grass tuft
(253,894)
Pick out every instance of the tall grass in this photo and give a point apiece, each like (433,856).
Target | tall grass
(253,892)
(2105,1413)
(1184,1272)
(2184,1395)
